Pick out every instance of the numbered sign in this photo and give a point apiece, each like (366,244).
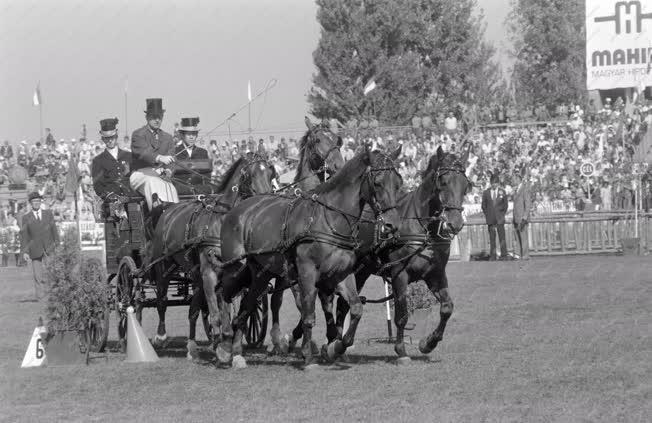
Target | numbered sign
(587,169)
(35,354)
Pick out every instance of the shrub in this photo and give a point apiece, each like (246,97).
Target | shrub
(419,296)
(78,289)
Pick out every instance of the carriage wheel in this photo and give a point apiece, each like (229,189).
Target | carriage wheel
(98,331)
(257,324)
(127,287)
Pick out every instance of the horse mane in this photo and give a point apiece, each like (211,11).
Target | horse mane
(353,169)
(449,160)
(228,175)
(302,154)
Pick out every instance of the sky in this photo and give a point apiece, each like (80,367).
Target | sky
(198,55)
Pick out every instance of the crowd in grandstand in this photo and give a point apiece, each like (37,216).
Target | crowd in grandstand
(550,154)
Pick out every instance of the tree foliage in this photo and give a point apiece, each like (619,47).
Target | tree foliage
(424,55)
(549,47)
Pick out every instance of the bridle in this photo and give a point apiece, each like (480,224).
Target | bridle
(439,214)
(314,152)
(245,182)
(373,202)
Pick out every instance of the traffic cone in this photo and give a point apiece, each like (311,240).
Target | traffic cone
(139,349)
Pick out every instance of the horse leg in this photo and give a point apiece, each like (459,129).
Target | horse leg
(399,287)
(343,307)
(193,315)
(439,287)
(247,306)
(307,284)
(209,278)
(162,283)
(347,289)
(327,304)
(275,303)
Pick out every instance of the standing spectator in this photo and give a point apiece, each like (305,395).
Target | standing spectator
(450,123)
(39,237)
(494,207)
(4,235)
(49,138)
(283,150)
(522,207)
(261,148)
(6,151)
(605,196)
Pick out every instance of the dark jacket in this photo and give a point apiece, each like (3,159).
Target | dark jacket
(494,211)
(145,147)
(197,153)
(109,174)
(38,237)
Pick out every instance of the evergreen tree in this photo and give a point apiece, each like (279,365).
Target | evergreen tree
(549,47)
(424,55)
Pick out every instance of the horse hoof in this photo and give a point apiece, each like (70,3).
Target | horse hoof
(285,345)
(122,346)
(315,348)
(424,348)
(403,361)
(193,351)
(335,349)
(223,356)
(311,367)
(239,362)
(324,352)
(160,341)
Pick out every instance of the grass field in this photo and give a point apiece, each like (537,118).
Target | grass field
(563,339)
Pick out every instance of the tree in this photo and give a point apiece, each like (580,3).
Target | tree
(424,55)
(549,46)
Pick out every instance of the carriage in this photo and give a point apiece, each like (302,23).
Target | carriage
(124,233)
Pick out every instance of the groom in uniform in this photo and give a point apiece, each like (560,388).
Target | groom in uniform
(494,207)
(152,152)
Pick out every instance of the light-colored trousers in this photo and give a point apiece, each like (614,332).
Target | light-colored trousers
(41,287)
(147,182)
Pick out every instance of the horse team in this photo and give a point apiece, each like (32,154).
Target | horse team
(323,236)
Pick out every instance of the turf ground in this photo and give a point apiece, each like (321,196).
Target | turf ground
(561,339)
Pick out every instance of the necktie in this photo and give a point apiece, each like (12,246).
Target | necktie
(38,216)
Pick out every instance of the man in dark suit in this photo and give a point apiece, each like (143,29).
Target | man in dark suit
(152,152)
(522,207)
(110,168)
(39,237)
(189,150)
(494,207)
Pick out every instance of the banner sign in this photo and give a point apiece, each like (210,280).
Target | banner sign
(618,44)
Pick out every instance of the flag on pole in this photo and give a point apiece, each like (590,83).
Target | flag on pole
(249,90)
(371,85)
(36,99)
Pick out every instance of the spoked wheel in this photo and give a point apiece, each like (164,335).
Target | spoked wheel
(127,286)
(257,324)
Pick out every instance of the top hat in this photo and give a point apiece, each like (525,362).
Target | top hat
(108,128)
(189,124)
(34,195)
(154,106)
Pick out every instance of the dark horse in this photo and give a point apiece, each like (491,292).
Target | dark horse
(310,238)
(319,155)
(431,216)
(187,236)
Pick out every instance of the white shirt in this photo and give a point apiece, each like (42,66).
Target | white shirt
(113,152)
(37,214)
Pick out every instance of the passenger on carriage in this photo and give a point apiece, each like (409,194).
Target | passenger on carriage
(187,180)
(152,155)
(110,169)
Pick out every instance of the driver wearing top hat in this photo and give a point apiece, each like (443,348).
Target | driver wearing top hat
(113,164)
(152,152)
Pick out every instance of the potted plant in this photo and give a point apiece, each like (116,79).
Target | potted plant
(77,306)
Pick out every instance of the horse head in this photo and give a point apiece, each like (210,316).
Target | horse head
(256,175)
(382,186)
(450,186)
(322,148)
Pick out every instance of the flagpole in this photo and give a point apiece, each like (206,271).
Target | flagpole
(249,117)
(126,115)
(40,118)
